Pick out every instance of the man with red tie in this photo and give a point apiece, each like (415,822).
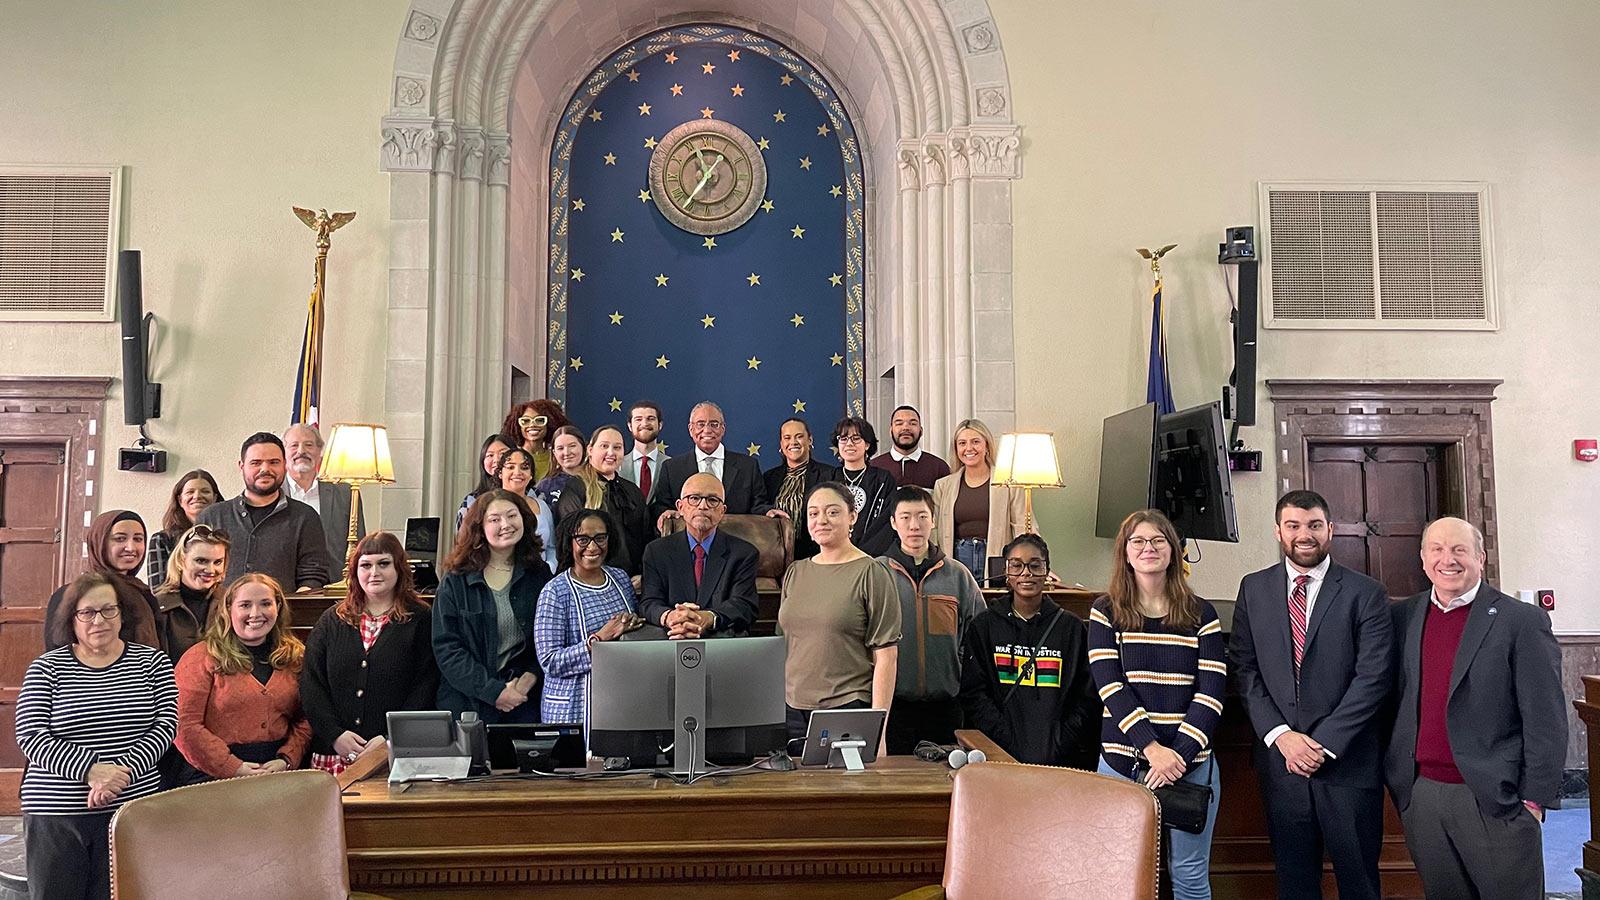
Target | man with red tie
(643,464)
(700,582)
(1312,645)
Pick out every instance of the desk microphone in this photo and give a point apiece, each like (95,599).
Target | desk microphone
(959,757)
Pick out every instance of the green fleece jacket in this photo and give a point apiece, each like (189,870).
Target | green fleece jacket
(935,610)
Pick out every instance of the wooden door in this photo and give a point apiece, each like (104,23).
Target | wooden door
(1382,495)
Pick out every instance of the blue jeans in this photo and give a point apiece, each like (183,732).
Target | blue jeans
(1188,859)
(973,553)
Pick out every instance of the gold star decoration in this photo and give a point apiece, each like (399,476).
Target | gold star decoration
(615,404)
(677,90)
(798,232)
(650,143)
(594,115)
(766,206)
(709,243)
(617,317)
(797,320)
(576,363)
(671,57)
(738,90)
(799,406)
(763,143)
(753,449)
(822,131)
(577,205)
(805,163)
(706,111)
(835,190)
(752,363)
(836,359)
(661,281)
(754,279)
(610,158)
(644,109)
(708,68)
(733,56)
(835,280)
(577,274)
(663,446)
(786,81)
(633,75)
(662,361)
(616,235)
(644,195)
(779,116)
(708,321)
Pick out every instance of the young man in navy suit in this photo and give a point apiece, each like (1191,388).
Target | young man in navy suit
(1312,647)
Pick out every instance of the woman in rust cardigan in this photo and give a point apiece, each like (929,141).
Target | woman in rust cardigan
(239,691)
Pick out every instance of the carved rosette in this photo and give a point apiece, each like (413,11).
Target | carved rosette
(422,27)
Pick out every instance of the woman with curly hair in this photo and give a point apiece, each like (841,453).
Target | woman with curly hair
(532,425)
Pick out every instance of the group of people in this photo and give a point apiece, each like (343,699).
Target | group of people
(569,541)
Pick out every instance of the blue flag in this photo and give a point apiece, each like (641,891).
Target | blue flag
(1158,386)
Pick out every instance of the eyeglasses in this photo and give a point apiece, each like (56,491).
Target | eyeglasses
(1156,543)
(851,439)
(109,613)
(584,540)
(711,425)
(706,500)
(1032,567)
(533,421)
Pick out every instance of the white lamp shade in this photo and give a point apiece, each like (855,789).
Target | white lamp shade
(358,454)
(1027,459)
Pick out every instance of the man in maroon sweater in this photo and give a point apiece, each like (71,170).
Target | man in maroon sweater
(905,458)
(1480,734)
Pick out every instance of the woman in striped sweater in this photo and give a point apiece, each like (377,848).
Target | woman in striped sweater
(93,718)
(1158,658)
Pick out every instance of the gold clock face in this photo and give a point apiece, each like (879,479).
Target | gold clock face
(707,177)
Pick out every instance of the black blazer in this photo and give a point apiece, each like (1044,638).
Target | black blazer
(741,483)
(727,589)
(1507,715)
(345,688)
(466,643)
(1344,674)
(816,473)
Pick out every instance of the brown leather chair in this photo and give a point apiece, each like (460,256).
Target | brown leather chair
(265,837)
(1101,833)
(773,538)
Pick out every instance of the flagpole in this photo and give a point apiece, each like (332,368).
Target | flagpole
(308,380)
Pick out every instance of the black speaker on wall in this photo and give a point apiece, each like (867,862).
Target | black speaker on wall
(141,400)
(1239,398)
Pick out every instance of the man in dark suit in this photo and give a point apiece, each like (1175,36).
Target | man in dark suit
(302,444)
(1312,647)
(739,474)
(702,582)
(1480,732)
(788,482)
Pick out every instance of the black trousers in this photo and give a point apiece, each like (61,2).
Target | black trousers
(912,721)
(1307,817)
(69,857)
(1463,854)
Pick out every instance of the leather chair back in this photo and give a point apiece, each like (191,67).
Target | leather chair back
(263,837)
(1040,831)
(773,538)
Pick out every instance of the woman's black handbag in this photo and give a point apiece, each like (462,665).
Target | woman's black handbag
(1184,804)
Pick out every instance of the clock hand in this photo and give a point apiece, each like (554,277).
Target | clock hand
(706,177)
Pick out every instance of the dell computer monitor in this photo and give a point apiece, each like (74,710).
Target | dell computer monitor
(719,700)
(1127,467)
(1192,482)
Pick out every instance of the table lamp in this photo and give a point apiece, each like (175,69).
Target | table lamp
(357,454)
(1027,460)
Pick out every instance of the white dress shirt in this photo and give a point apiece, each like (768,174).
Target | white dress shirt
(1457,603)
(311,497)
(1313,588)
(716,458)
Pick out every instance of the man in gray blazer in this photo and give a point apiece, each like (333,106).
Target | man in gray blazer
(303,445)
(1480,733)
(642,465)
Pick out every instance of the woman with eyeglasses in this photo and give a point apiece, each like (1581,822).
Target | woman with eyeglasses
(515,474)
(531,426)
(973,514)
(494,447)
(1159,661)
(194,582)
(840,618)
(615,494)
(855,442)
(195,491)
(116,550)
(586,602)
(1025,668)
(94,717)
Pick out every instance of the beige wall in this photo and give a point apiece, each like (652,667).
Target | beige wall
(1144,123)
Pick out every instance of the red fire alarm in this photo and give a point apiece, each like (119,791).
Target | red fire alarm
(1547,599)
(1586,449)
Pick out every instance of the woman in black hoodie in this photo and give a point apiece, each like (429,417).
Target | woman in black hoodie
(1025,669)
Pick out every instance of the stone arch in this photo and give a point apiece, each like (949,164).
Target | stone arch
(476,92)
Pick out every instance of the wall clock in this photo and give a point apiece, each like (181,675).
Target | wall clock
(707,176)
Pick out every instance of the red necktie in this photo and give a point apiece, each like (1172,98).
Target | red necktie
(644,475)
(1297,619)
(699,563)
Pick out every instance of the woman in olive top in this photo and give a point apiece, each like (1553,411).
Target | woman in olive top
(618,496)
(975,518)
(840,618)
(194,583)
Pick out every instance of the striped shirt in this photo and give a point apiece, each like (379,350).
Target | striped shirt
(71,716)
(1157,684)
